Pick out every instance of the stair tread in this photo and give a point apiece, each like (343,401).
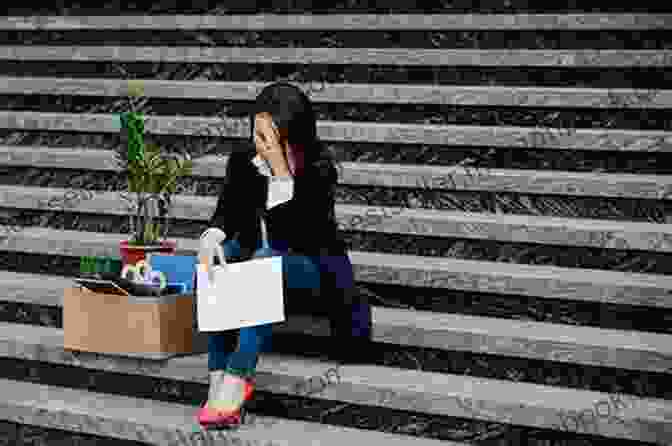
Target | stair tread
(261,22)
(426,320)
(512,137)
(624,185)
(110,241)
(633,350)
(446,273)
(345,56)
(161,423)
(493,95)
(562,231)
(648,419)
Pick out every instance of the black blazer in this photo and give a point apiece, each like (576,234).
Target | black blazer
(305,224)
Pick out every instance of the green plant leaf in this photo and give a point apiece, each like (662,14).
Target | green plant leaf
(154,177)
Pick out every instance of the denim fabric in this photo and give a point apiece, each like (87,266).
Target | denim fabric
(237,351)
(351,319)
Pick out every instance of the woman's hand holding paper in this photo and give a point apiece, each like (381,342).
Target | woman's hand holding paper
(210,242)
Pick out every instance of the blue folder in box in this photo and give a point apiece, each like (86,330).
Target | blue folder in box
(178,269)
(181,288)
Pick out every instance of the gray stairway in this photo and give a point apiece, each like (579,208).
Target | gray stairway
(504,190)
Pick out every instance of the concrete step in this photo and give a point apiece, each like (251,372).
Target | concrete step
(532,405)
(490,95)
(625,235)
(390,133)
(346,22)
(468,275)
(632,350)
(344,56)
(159,423)
(621,185)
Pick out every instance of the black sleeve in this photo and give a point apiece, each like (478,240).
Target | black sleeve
(239,197)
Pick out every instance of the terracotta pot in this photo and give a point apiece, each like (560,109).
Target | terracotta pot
(132,254)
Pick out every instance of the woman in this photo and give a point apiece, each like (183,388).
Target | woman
(287,176)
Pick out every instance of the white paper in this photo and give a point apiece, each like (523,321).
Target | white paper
(241,295)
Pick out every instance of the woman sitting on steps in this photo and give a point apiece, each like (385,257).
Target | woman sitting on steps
(288,176)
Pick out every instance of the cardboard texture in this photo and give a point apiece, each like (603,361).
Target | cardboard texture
(128,325)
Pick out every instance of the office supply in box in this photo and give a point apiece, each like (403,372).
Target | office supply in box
(177,268)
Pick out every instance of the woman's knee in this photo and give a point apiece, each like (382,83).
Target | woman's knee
(255,339)
(301,272)
(340,268)
(225,341)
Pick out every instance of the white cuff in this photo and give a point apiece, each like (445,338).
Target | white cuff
(280,190)
(262,166)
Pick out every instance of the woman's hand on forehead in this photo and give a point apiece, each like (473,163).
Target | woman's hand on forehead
(264,120)
(265,130)
(267,141)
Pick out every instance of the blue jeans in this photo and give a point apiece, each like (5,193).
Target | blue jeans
(240,356)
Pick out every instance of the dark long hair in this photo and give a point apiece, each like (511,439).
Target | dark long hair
(291,110)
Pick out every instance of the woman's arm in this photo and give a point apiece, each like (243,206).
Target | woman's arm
(238,198)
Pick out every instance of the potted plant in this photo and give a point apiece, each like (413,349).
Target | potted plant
(151,180)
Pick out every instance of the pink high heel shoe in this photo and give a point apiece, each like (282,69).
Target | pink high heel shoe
(218,418)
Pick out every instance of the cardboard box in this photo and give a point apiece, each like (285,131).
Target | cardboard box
(154,327)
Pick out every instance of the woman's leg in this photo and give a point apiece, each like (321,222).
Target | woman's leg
(229,383)
(222,344)
(298,272)
(236,361)
(251,341)
(220,348)
(350,318)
